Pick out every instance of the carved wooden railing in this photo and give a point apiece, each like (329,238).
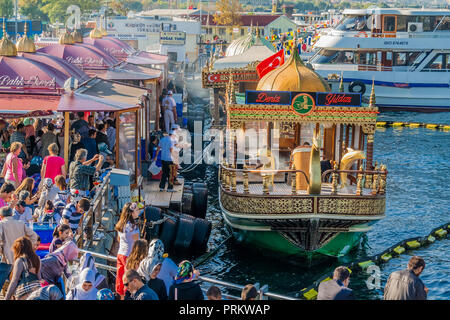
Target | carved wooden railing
(368,179)
(228,178)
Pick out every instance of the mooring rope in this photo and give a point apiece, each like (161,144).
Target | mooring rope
(310,293)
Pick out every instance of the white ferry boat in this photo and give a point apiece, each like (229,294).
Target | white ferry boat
(406,52)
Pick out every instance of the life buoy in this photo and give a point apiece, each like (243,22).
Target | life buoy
(362,34)
(354,84)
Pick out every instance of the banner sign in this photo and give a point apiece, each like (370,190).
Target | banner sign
(9,84)
(216,78)
(177,38)
(321,99)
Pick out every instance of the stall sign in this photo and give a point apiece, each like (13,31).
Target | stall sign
(8,83)
(176,38)
(321,99)
(225,77)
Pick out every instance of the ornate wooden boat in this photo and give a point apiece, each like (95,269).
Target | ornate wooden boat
(309,186)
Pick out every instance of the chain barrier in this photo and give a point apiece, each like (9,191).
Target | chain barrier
(396,124)
(310,293)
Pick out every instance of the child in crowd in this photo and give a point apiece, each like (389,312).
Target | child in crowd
(60,235)
(49,192)
(63,194)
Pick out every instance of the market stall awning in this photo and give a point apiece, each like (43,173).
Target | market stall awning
(111,90)
(152,72)
(255,53)
(155,56)
(143,60)
(119,74)
(27,105)
(74,102)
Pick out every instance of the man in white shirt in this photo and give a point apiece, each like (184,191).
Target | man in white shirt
(170,107)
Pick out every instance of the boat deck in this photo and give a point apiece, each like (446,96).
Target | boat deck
(162,199)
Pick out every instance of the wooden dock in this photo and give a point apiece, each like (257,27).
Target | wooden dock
(161,199)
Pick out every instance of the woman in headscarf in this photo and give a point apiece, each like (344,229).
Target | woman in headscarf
(157,259)
(85,289)
(185,287)
(55,264)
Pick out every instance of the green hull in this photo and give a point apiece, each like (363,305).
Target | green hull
(339,246)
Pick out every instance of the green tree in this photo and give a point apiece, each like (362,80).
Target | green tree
(6,8)
(32,9)
(56,9)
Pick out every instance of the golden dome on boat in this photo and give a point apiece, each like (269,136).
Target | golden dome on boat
(96,34)
(77,37)
(293,75)
(103,31)
(7,48)
(66,38)
(25,44)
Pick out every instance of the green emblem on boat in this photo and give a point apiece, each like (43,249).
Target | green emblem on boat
(303,104)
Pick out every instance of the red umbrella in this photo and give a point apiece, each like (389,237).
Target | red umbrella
(81,55)
(18,74)
(59,64)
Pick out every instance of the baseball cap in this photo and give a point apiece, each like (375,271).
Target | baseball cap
(170,92)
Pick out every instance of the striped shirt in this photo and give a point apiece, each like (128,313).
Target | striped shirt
(70,213)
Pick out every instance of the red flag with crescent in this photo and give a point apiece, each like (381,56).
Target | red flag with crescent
(271,63)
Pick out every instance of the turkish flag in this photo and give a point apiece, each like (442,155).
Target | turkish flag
(271,63)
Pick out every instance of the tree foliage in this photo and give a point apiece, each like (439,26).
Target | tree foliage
(228,12)
(56,9)
(6,8)
(122,7)
(32,9)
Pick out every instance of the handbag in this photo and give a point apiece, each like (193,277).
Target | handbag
(27,284)
(154,169)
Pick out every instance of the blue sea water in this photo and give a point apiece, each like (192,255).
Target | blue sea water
(418,196)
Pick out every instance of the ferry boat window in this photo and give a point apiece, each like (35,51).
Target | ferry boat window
(389,23)
(366,58)
(353,23)
(438,64)
(402,23)
(445,24)
(333,56)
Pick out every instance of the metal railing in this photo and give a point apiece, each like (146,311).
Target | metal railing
(262,291)
(93,218)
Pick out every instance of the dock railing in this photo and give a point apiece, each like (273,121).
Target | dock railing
(263,291)
(93,218)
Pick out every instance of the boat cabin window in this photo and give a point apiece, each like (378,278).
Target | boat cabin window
(326,56)
(389,23)
(445,24)
(405,58)
(440,63)
(366,58)
(353,23)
